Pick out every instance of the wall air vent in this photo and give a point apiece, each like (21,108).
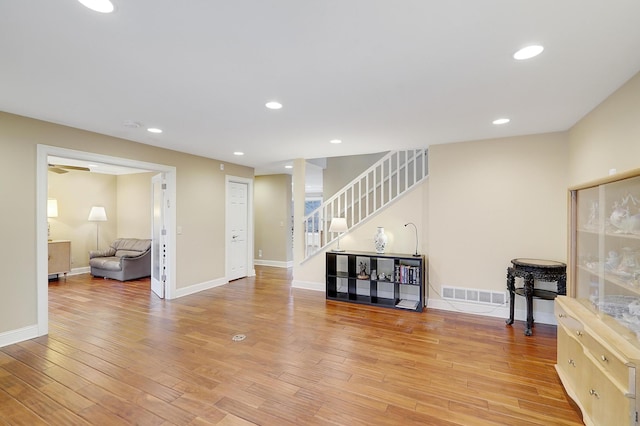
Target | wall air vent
(473,295)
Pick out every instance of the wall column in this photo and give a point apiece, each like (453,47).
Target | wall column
(299,181)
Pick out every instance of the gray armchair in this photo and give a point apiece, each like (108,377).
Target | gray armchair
(126,259)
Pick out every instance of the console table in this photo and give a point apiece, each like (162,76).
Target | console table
(530,270)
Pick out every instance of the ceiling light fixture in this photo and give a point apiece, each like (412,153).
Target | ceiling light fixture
(335,141)
(238,153)
(288,166)
(131,124)
(500,121)
(102,6)
(154,130)
(273,105)
(528,52)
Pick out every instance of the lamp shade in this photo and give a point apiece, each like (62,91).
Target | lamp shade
(338,224)
(52,208)
(97,214)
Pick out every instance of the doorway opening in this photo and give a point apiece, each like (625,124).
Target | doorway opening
(43,154)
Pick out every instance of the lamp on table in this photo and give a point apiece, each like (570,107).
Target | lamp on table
(339,225)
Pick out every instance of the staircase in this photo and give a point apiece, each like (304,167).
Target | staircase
(378,186)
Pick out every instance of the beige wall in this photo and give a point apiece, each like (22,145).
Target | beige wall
(608,137)
(342,170)
(17,230)
(76,193)
(492,201)
(134,205)
(200,208)
(273,219)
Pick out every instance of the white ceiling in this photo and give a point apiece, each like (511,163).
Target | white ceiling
(378,74)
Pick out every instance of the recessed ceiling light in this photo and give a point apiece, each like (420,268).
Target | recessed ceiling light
(273,105)
(528,52)
(335,141)
(131,124)
(238,153)
(154,130)
(501,121)
(102,6)
(288,166)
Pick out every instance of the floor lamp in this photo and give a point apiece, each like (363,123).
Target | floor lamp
(97,215)
(52,211)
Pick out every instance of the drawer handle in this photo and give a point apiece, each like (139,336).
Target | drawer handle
(604,358)
(594,393)
(562,316)
(572,362)
(579,333)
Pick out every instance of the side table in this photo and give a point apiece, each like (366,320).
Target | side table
(530,270)
(59,257)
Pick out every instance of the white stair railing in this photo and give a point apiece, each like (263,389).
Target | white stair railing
(376,187)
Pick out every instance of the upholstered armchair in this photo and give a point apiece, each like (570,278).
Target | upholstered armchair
(126,259)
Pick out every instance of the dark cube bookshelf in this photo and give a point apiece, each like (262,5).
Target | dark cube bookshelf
(389,280)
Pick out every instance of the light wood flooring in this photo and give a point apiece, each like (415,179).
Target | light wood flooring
(115,354)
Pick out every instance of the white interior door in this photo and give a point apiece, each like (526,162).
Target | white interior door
(159,236)
(237,230)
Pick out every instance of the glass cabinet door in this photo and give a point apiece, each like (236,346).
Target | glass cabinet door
(605,251)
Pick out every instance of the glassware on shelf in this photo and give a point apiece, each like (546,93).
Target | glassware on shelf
(628,265)
(613,261)
(593,220)
(621,218)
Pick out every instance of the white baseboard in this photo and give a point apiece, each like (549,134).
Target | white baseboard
(79,271)
(180,292)
(274,263)
(19,335)
(76,271)
(489,311)
(308,285)
(457,306)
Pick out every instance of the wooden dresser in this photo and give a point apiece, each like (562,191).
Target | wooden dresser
(596,366)
(59,257)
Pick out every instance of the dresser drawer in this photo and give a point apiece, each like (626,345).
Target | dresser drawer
(616,368)
(605,403)
(571,360)
(573,326)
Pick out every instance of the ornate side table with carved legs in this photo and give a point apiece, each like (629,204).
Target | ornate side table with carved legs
(531,270)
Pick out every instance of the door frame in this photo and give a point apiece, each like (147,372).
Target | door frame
(251,271)
(43,152)
(158,260)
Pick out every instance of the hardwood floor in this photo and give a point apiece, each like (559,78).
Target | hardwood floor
(115,354)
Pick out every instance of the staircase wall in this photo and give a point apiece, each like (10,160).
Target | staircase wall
(342,170)
(483,204)
(412,207)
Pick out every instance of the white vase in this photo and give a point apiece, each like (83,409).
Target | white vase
(380,240)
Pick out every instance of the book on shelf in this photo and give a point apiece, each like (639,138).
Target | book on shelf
(407,304)
(406,274)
